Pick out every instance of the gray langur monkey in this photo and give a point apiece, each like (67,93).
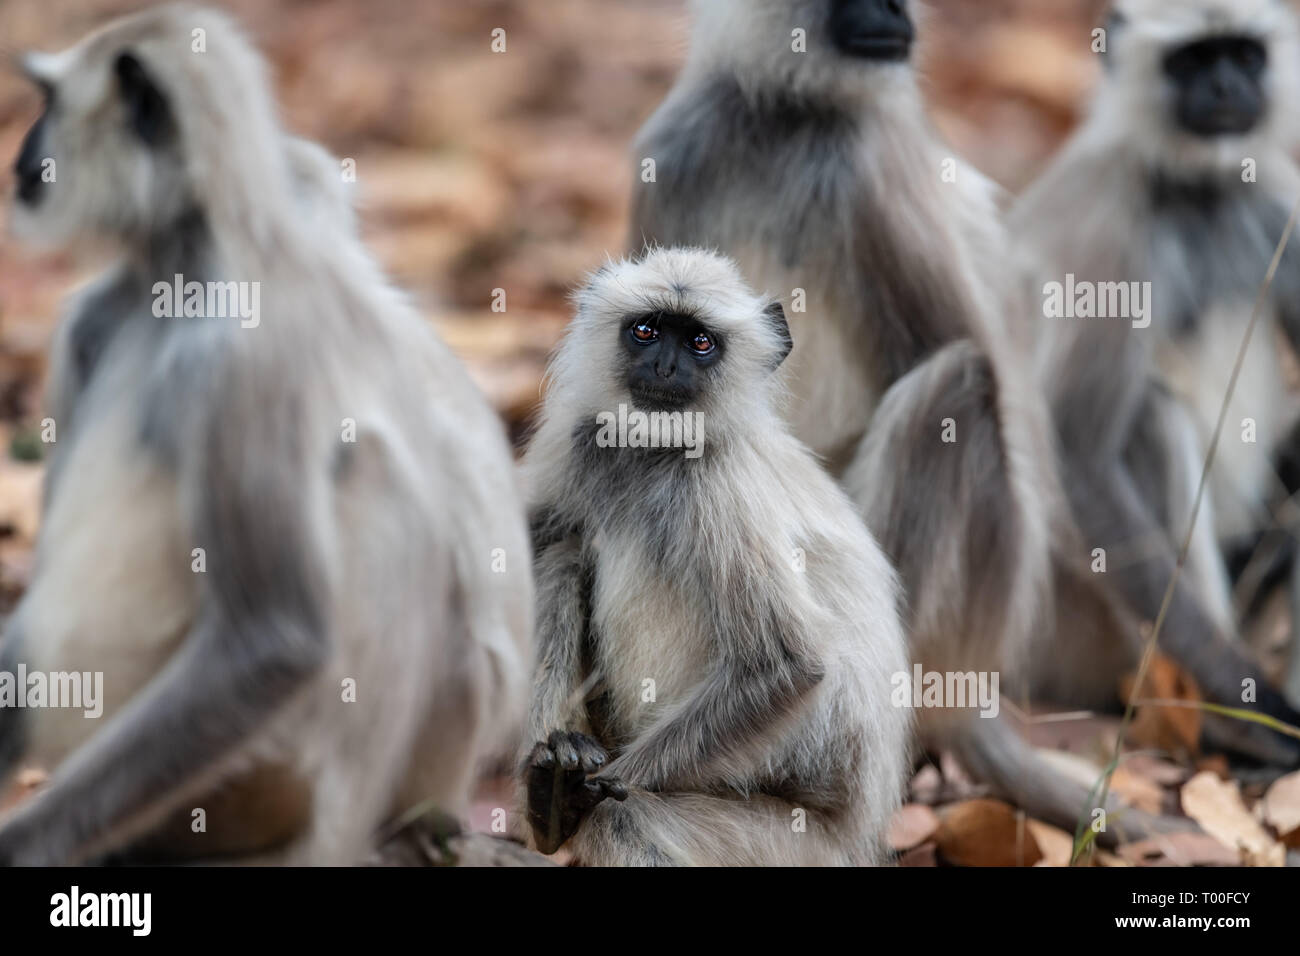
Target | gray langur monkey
(796,141)
(324,201)
(294,548)
(717,629)
(1167,205)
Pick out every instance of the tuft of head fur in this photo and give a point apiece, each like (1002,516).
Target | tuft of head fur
(1134,108)
(586,374)
(219,135)
(325,198)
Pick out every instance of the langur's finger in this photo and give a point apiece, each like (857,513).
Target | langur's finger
(591,755)
(566,755)
(615,789)
(542,758)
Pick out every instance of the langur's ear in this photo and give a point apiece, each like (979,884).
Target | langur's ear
(148,111)
(774,315)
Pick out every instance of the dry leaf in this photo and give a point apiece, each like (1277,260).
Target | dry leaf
(1058,848)
(1056,845)
(1166,773)
(1139,791)
(927,785)
(923,855)
(1176,730)
(912,825)
(985,833)
(1179,849)
(1280,806)
(1106,858)
(1217,806)
(955,776)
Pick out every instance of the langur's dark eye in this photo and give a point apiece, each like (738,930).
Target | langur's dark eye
(701,344)
(644,332)
(1191,59)
(1249,55)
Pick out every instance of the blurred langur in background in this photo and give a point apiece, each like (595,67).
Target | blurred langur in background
(289,537)
(1165,208)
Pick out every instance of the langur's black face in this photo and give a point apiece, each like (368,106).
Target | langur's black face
(669,359)
(31,161)
(102,160)
(872,29)
(1219,85)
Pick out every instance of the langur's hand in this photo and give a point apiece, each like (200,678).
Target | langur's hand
(560,791)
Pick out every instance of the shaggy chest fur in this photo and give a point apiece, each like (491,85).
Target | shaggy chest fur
(121,549)
(648,642)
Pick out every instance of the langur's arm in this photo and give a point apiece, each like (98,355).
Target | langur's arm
(260,634)
(764,671)
(563,582)
(1111,512)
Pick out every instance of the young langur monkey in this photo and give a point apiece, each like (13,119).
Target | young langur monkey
(276,534)
(717,629)
(1180,178)
(796,141)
